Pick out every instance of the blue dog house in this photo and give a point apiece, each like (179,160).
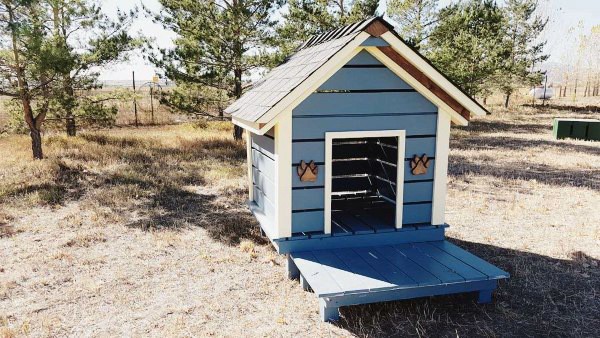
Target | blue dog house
(347,164)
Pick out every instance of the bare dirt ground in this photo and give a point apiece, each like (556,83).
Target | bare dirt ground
(143,232)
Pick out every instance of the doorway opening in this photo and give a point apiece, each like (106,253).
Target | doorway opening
(366,181)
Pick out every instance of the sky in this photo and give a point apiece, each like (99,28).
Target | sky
(563,14)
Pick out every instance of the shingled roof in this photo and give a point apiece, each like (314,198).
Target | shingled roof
(281,81)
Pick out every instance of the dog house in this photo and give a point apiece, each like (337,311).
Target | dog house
(347,162)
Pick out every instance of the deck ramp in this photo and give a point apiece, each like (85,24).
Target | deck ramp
(351,276)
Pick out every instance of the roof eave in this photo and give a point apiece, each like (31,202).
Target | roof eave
(438,77)
(254,127)
(316,79)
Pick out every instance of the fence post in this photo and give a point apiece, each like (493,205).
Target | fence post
(134,101)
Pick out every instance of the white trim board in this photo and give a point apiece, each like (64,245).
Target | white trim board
(440,175)
(249,165)
(251,126)
(330,136)
(283,163)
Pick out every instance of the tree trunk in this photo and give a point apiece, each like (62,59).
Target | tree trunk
(237,131)
(69,101)
(36,144)
(34,124)
(69,104)
(506,100)
(70,125)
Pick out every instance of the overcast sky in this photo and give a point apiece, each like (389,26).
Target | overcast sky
(564,14)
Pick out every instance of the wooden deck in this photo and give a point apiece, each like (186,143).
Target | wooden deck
(361,275)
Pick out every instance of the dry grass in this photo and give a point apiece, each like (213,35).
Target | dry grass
(143,232)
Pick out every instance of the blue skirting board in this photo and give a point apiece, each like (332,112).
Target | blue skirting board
(361,275)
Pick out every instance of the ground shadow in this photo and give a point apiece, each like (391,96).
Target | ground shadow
(544,297)
(178,197)
(156,185)
(64,187)
(175,208)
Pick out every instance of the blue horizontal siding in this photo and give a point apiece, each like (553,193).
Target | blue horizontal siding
(315,150)
(364,103)
(374,42)
(418,192)
(363,58)
(303,199)
(307,221)
(315,128)
(416,213)
(364,79)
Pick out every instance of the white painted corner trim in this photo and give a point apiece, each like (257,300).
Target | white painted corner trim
(283,163)
(330,136)
(249,166)
(440,176)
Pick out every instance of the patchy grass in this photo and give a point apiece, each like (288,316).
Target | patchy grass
(145,232)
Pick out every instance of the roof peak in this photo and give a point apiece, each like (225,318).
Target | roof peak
(346,30)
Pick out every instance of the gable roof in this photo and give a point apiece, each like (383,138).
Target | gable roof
(283,85)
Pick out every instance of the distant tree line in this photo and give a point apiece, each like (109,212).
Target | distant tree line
(220,44)
(581,67)
(483,47)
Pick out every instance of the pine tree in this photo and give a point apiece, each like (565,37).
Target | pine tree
(360,10)
(86,39)
(416,19)
(27,63)
(523,29)
(468,44)
(217,43)
(305,18)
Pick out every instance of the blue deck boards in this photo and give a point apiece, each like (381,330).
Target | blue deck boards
(361,275)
